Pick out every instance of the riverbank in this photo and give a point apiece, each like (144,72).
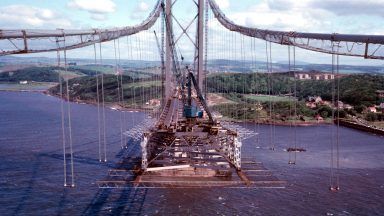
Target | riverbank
(361,127)
(113,106)
(280,123)
(30,87)
(138,108)
(42,87)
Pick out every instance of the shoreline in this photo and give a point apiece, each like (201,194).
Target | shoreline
(300,124)
(113,106)
(360,127)
(117,107)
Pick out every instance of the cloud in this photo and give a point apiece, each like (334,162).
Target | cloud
(140,11)
(98,9)
(23,16)
(99,17)
(351,7)
(142,7)
(223,4)
(94,6)
(311,15)
(274,14)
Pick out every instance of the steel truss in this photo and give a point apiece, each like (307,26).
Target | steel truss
(35,41)
(367,46)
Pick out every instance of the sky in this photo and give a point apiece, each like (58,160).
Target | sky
(323,16)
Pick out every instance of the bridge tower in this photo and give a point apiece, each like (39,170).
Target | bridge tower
(198,59)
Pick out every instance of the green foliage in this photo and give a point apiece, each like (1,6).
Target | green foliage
(37,74)
(341,114)
(280,110)
(324,111)
(350,112)
(358,89)
(135,91)
(239,111)
(371,117)
(360,108)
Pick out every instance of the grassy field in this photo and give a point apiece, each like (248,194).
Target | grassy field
(68,74)
(106,69)
(142,84)
(265,98)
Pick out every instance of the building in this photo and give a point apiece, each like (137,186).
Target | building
(347,106)
(315,99)
(371,109)
(302,76)
(314,75)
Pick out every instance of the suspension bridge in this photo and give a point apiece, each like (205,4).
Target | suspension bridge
(185,143)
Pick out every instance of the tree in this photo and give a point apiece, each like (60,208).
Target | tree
(371,117)
(325,111)
(360,108)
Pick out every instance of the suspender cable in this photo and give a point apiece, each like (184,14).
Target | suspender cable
(272,94)
(62,120)
(296,101)
(132,91)
(69,117)
(256,91)
(124,126)
(206,49)
(98,103)
(338,124)
(269,95)
(243,74)
(331,177)
(290,104)
(117,68)
(103,107)
(141,86)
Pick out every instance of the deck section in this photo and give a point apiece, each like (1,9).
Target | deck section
(257,177)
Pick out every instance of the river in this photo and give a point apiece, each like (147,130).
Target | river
(31,165)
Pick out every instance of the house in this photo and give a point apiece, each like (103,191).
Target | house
(318,99)
(314,75)
(302,76)
(347,106)
(371,109)
(339,104)
(311,105)
(319,118)
(328,76)
(315,99)
(154,102)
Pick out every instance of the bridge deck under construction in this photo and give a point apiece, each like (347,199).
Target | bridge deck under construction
(252,175)
(183,152)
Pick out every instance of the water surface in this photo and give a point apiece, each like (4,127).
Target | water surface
(31,165)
